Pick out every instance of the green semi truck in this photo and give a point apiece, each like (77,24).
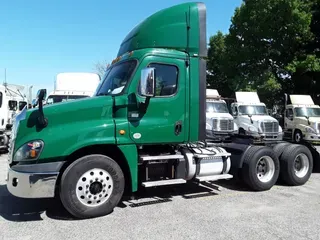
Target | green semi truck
(145,127)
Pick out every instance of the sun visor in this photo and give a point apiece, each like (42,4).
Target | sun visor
(301,100)
(212,93)
(247,97)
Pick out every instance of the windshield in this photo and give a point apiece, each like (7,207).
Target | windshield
(22,104)
(117,78)
(217,107)
(309,112)
(252,110)
(62,98)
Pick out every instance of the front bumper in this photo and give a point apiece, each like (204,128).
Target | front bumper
(214,132)
(33,180)
(311,137)
(269,136)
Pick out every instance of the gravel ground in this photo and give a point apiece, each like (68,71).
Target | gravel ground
(225,210)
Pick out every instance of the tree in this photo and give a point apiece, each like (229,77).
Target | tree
(271,47)
(216,76)
(101,67)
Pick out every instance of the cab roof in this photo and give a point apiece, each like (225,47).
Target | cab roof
(181,27)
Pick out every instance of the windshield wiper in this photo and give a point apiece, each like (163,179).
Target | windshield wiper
(102,94)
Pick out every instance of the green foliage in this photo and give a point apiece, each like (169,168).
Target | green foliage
(272,47)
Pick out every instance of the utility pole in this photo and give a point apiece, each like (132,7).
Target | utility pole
(5,77)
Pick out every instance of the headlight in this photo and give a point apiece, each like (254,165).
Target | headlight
(252,129)
(29,151)
(280,129)
(310,130)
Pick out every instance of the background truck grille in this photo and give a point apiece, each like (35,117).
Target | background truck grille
(269,127)
(10,148)
(222,124)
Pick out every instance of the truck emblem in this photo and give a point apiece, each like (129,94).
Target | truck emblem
(137,136)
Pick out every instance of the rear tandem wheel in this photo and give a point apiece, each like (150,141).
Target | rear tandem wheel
(261,168)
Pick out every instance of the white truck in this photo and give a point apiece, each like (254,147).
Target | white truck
(12,101)
(73,85)
(252,118)
(219,122)
(302,119)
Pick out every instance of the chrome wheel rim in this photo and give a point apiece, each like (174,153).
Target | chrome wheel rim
(265,169)
(94,187)
(301,165)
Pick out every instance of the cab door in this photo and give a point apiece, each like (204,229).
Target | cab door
(288,120)
(161,118)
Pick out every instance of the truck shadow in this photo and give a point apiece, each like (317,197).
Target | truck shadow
(23,210)
(187,191)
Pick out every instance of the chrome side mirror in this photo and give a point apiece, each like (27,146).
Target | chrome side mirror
(147,82)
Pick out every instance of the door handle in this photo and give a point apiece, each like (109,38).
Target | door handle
(177,127)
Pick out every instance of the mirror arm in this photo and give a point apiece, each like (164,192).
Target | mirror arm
(143,106)
(43,121)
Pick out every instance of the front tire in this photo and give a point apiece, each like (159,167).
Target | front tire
(242,132)
(297,136)
(261,168)
(91,186)
(296,165)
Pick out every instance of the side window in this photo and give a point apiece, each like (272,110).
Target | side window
(289,113)
(12,105)
(166,79)
(21,105)
(235,111)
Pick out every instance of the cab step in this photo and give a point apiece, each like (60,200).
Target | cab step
(213,178)
(164,182)
(161,157)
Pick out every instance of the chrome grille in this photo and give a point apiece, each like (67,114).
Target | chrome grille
(269,127)
(11,141)
(222,124)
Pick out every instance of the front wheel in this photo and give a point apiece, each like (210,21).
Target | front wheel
(91,186)
(297,136)
(261,168)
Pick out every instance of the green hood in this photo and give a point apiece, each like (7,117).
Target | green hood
(71,125)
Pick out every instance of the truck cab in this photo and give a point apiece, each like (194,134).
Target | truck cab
(252,118)
(145,127)
(72,86)
(302,119)
(12,101)
(218,119)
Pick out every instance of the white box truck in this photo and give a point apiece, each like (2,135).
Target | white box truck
(302,119)
(252,118)
(73,85)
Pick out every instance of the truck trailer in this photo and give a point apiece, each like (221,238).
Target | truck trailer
(150,132)
(73,85)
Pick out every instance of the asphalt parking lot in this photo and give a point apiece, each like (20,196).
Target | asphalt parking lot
(223,210)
